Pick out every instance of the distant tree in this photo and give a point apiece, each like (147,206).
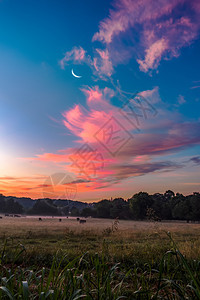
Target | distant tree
(139,204)
(195,206)
(142,205)
(75,211)
(103,208)
(88,212)
(119,209)
(169,195)
(158,204)
(65,210)
(2,203)
(116,207)
(2,197)
(42,207)
(181,211)
(13,207)
(167,205)
(50,202)
(166,212)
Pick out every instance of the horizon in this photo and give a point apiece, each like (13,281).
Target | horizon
(99,99)
(108,199)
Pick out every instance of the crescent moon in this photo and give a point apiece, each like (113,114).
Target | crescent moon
(75,74)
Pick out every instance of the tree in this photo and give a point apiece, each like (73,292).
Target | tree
(167,205)
(88,212)
(74,211)
(2,203)
(195,206)
(181,211)
(169,195)
(13,207)
(157,205)
(65,210)
(119,209)
(42,207)
(139,204)
(103,208)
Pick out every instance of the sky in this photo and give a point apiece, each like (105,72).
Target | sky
(99,99)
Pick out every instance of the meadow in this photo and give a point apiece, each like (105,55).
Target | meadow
(100,259)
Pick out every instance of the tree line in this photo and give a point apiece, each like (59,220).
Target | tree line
(141,206)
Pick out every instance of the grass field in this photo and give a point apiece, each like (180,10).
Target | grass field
(145,271)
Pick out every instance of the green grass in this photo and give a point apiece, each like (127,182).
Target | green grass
(68,263)
(96,277)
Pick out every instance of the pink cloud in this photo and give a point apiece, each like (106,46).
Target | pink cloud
(152,95)
(173,137)
(127,13)
(73,118)
(52,157)
(195,87)
(93,95)
(159,29)
(77,55)
(153,55)
(85,123)
(154,31)
(102,63)
(144,145)
(94,161)
(181,100)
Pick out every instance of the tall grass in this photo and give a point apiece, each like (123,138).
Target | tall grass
(94,276)
(64,280)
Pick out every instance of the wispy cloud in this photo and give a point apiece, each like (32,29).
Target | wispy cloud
(196,84)
(22,186)
(196,160)
(76,55)
(154,30)
(153,55)
(100,64)
(156,138)
(123,171)
(195,87)
(158,29)
(180,101)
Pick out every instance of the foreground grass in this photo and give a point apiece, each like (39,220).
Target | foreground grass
(134,261)
(95,277)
